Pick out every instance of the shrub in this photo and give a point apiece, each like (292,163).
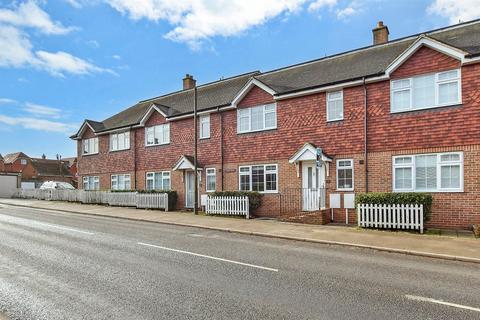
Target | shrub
(397,198)
(254,198)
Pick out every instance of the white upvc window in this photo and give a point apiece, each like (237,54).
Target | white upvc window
(205,126)
(91,183)
(345,175)
(426,91)
(120,182)
(120,141)
(158,180)
(90,146)
(257,118)
(210,179)
(23,162)
(335,106)
(260,178)
(157,135)
(438,172)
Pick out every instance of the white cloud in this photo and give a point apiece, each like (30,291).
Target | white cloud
(116,57)
(74,3)
(456,10)
(7,101)
(346,12)
(38,124)
(320,4)
(195,21)
(17,51)
(42,111)
(29,14)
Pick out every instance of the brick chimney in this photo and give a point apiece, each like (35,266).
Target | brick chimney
(188,82)
(380,33)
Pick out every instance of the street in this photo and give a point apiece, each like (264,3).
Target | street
(66,266)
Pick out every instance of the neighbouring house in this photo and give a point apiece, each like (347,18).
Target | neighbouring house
(72,167)
(399,115)
(37,170)
(2,164)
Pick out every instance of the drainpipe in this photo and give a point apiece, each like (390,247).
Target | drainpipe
(365,137)
(134,157)
(221,145)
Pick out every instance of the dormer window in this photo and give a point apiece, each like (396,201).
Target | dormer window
(426,91)
(90,146)
(257,118)
(157,135)
(120,141)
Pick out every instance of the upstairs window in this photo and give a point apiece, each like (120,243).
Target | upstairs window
(335,106)
(205,127)
(120,141)
(23,162)
(121,182)
(90,146)
(426,91)
(428,172)
(158,180)
(157,135)
(257,118)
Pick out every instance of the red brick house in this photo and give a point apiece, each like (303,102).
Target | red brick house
(400,115)
(37,170)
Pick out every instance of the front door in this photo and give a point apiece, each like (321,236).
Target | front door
(310,187)
(189,189)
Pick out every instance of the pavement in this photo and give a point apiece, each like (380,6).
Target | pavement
(443,247)
(60,265)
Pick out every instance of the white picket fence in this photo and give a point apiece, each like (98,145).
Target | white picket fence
(238,206)
(396,216)
(122,199)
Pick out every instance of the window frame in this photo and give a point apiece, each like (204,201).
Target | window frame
(167,125)
(95,179)
(437,84)
(210,175)
(204,119)
(95,145)
(126,141)
(23,162)
(264,112)
(265,172)
(328,99)
(439,165)
(351,166)
(116,176)
(162,175)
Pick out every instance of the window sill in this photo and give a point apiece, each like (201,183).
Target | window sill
(256,131)
(429,191)
(335,120)
(89,154)
(157,145)
(120,150)
(345,190)
(426,109)
(204,138)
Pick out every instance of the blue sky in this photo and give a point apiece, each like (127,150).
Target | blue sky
(62,61)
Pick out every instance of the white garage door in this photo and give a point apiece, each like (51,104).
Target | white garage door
(8,184)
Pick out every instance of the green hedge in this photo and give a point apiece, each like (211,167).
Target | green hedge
(397,198)
(254,198)
(172,195)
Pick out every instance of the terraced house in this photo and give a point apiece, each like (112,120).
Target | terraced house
(400,115)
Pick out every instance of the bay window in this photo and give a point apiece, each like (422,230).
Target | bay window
(158,180)
(120,182)
(257,118)
(120,141)
(426,91)
(260,178)
(90,146)
(428,172)
(157,135)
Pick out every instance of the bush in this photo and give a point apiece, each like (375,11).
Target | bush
(397,198)
(254,198)
(172,196)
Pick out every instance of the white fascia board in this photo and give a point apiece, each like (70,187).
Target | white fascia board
(428,42)
(147,115)
(250,84)
(82,129)
(330,88)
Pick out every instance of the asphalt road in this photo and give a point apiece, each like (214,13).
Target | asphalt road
(67,266)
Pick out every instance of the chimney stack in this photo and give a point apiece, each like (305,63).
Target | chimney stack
(380,33)
(188,82)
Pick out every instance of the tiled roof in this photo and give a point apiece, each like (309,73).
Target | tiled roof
(11,157)
(363,62)
(45,167)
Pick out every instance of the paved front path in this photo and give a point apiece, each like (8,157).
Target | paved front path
(465,249)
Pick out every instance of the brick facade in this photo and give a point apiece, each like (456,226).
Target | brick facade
(303,119)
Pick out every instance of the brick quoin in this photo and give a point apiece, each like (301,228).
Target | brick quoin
(303,119)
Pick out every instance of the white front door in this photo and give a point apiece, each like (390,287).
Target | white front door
(312,182)
(189,189)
